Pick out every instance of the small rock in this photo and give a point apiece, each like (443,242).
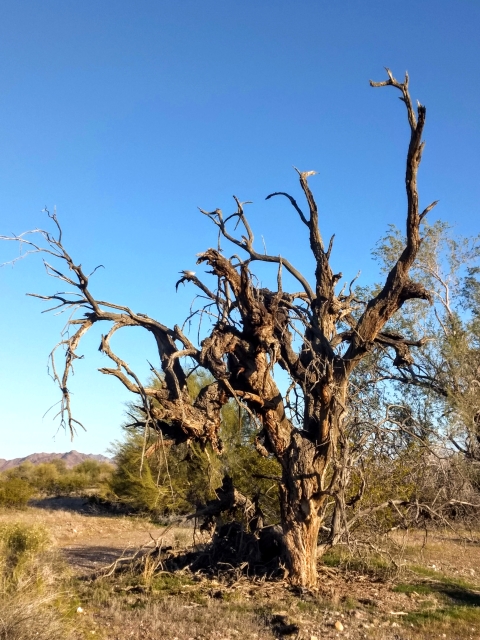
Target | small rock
(338,626)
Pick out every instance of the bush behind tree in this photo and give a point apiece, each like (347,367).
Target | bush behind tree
(20,484)
(152,475)
(15,492)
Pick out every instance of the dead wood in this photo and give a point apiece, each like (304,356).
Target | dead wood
(317,335)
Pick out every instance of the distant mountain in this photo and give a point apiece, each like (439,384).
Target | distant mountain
(71,459)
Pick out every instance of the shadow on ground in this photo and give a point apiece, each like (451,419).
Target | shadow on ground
(76,504)
(458,595)
(452,592)
(87,506)
(88,559)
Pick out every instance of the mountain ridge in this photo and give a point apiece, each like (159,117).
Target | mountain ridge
(71,458)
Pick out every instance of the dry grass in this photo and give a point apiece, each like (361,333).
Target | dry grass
(32,604)
(28,615)
(169,616)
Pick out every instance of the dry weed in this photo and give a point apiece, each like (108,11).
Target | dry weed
(30,600)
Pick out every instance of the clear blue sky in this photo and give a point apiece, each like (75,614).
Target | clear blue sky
(127,116)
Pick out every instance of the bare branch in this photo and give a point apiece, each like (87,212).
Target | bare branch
(247,245)
(293,203)
(398,287)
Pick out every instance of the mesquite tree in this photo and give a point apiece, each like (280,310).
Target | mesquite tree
(317,336)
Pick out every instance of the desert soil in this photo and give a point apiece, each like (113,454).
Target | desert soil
(441,576)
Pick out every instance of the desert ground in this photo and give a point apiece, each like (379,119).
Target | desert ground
(431,589)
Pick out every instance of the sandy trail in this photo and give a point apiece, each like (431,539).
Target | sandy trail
(91,539)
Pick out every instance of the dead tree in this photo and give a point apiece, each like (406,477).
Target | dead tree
(316,335)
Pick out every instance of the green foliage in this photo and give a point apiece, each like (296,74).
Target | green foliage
(252,474)
(449,361)
(19,544)
(388,478)
(21,483)
(151,476)
(171,583)
(30,604)
(44,477)
(70,484)
(154,476)
(133,481)
(93,470)
(15,492)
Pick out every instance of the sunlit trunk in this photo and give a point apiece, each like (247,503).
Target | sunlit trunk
(301,499)
(301,539)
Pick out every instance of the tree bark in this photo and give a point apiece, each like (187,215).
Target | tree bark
(301,499)
(300,537)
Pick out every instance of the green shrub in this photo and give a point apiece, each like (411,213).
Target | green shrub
(15,492)
(155,483)
(19,544)
(96,472)
(44,477)
(24,471)
(70,483)
(152,475)
(51,478)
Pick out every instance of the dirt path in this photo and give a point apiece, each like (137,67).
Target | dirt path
(91,539)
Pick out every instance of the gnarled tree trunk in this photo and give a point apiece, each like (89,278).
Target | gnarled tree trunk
(300,497)
(300,537)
